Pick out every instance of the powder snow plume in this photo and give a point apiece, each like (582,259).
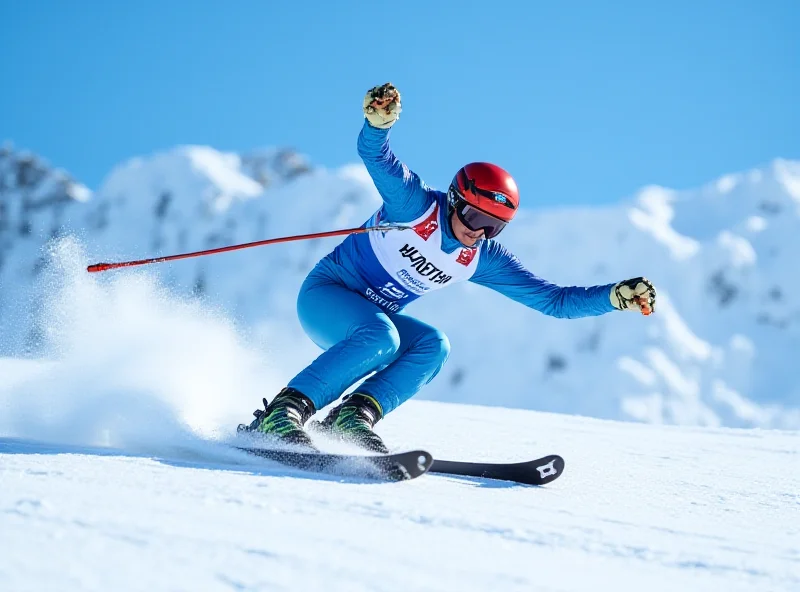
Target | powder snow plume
(127,363)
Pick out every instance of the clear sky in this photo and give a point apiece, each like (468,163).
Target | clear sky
(583,102)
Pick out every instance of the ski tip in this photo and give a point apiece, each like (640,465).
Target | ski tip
(548,468)
(533,472)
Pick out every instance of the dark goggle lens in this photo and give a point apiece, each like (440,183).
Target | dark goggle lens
(475,220)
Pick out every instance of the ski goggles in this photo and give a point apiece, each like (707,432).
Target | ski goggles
(475,219)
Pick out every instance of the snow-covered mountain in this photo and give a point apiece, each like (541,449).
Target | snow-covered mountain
(719,351)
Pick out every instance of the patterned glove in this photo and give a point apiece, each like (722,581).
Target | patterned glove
(382,106)
(637,294)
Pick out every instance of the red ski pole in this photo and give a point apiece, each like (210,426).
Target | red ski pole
(271,241)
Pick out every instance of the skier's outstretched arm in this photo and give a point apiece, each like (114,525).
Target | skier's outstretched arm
(499,270)
(404,195)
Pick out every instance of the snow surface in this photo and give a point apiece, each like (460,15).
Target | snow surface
(114,475)
(638,508)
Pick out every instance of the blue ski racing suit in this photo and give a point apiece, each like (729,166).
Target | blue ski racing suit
(351,304)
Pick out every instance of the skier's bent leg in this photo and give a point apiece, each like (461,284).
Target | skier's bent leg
(422,353)
(358,338)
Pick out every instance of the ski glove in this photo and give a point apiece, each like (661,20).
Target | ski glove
(382,106)
(636,294)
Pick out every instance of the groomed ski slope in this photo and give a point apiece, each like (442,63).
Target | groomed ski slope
(639,507)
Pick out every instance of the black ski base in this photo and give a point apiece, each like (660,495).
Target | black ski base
(385,467)
(535,472)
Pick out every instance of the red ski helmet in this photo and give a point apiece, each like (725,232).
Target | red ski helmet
(484,196)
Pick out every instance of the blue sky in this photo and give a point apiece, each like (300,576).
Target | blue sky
(583,102)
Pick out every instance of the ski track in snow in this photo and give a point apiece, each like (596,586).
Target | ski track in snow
(638,508)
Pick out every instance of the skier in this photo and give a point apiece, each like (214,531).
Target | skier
(351,303)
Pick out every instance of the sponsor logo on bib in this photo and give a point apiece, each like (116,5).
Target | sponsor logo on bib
(429,225)
(466,256)
(393,292)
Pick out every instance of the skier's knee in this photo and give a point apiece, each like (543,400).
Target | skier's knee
(383,336)
(439,345)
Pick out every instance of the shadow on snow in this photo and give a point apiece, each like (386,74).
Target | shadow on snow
(202,455)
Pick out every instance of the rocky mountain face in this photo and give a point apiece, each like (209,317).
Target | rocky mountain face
(34,201)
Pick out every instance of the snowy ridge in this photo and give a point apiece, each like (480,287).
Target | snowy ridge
(718,352)
(35,200)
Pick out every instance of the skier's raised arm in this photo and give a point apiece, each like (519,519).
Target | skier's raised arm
(503,272)
(404,195)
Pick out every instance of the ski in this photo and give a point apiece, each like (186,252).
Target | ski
(534,472)
(400,466)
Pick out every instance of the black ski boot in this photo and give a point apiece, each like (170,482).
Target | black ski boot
(352,421)
(284,418)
